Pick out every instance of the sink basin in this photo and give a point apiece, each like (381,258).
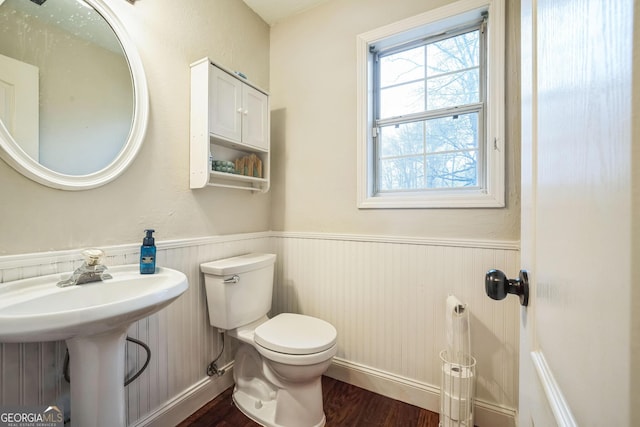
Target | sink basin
(93,319)
(37,310)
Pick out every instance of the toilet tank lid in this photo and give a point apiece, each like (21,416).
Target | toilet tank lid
(237,264)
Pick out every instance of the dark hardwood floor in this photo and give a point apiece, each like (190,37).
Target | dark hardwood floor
(345,405)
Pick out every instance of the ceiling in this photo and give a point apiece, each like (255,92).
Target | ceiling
(273,11)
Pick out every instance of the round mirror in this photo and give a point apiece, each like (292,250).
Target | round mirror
(73,94)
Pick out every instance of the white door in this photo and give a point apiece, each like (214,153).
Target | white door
(19,103)
(576,345)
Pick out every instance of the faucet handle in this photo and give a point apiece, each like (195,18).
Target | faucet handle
(93,256)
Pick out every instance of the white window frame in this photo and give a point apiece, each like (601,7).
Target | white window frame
(492,193)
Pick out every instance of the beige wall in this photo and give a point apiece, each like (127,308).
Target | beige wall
(154,192)
(313,137)
(313,85)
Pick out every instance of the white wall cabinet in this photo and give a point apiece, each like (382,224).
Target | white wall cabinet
(229,120)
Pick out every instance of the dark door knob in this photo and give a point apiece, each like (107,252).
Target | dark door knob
(497,286)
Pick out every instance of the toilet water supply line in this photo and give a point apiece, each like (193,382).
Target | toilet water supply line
(212,369)
(127,381)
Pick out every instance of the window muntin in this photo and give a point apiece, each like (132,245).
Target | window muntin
(429,101)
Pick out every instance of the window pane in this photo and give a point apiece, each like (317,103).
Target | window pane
(452,133)
(401,174)
(453,89)
(453,54)
(402,67)
(452,170)
(404,99)
(402,139)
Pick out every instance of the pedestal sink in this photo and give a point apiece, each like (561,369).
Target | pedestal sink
(93,318)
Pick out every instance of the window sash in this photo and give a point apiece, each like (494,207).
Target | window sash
(477,107)
(480,148)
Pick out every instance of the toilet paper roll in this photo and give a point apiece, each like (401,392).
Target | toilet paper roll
(457,380)
(457,330)
(455,408)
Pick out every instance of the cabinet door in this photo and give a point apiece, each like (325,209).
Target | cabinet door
(255,123)
(225,113)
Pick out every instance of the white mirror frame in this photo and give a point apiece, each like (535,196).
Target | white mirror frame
(13,155)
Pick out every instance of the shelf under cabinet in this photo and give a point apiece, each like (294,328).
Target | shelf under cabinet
(240,182)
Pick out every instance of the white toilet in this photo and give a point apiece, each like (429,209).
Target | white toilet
(280,361)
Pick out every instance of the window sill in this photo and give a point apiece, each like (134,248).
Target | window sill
(434,200)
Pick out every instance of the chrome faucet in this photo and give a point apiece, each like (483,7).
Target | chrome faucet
(90,271)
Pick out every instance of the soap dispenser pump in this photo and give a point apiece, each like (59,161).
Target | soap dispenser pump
(148,254)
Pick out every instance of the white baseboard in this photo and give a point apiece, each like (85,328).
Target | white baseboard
(414,392)
(189,401)
(394,386)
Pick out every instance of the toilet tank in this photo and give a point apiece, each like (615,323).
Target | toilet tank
(238,289)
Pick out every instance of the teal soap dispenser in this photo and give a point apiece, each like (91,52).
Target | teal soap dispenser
(148,254)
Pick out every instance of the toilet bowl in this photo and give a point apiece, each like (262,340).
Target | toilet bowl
(280,361)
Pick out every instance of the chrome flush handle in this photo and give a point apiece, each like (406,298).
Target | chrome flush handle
(233,279)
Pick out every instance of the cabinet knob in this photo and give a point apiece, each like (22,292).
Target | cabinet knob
(245,112)
(240,110)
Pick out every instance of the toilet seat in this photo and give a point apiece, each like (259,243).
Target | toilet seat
(295,334)
(297,359)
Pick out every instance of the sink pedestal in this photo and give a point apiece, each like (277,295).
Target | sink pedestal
(97,370)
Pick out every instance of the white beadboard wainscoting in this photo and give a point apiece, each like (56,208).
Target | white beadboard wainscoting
(385,295)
